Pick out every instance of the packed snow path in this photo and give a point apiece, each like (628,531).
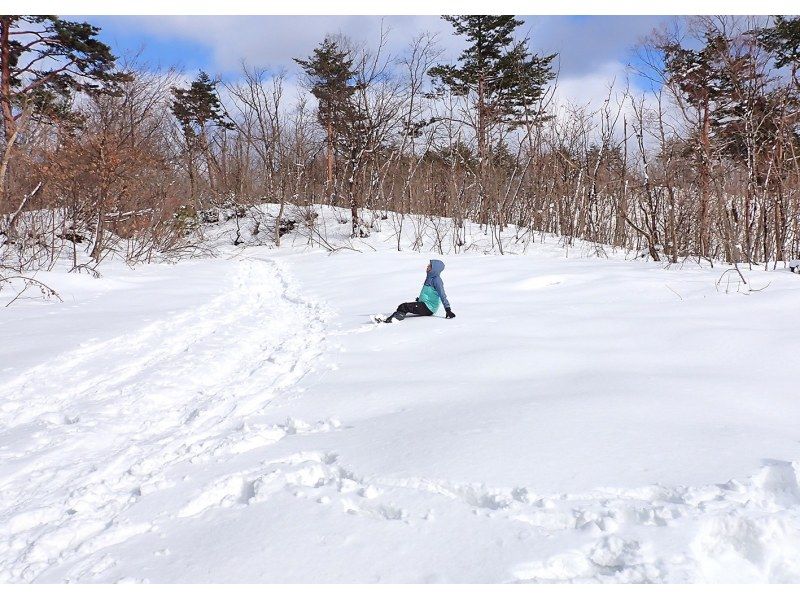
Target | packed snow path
(97,428)
(240,420)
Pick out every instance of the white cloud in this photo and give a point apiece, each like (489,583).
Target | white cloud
(592,50)
(592,89)
(275,40)
(609,82)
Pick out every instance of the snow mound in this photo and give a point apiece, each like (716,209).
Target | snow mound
(738,532)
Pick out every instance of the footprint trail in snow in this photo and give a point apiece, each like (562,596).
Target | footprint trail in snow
(107,424)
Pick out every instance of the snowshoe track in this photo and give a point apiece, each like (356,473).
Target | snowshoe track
(107,421)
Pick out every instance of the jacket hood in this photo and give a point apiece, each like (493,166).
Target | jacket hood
(436,267)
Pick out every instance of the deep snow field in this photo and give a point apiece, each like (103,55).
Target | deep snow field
(240,418)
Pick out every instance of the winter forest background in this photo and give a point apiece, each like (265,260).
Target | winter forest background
(106,154)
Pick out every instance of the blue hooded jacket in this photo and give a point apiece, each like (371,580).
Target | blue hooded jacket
(433,289)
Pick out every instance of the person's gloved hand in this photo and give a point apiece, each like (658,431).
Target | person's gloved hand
(450,314)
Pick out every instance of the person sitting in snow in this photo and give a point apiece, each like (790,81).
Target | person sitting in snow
(428,301)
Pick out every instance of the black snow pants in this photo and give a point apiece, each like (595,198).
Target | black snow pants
(418,308)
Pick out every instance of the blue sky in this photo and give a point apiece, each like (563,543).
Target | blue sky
(128,35)
(592,49)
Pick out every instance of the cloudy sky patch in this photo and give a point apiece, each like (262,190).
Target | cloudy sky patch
(593,50)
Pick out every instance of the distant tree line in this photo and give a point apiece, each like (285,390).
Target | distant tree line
(705,165)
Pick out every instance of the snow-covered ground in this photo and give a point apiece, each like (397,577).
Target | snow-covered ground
(241,419)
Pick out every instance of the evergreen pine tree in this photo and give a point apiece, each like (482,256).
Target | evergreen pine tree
(505,78)
(699,80)
(41,69)
(783,40)
(331,77)
(196,109)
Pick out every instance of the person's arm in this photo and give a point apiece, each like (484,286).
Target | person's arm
(439,286)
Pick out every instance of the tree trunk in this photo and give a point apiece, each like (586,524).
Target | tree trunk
(192,184)
(329,184)
(482,203)
(4,168)
(278,224)
(98,236)
(705,175)
(9,127)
